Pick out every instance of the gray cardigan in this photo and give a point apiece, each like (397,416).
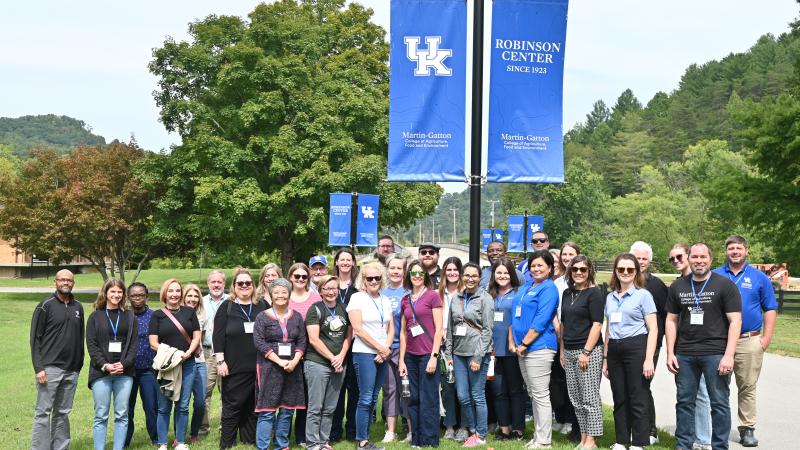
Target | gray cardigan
(479,317)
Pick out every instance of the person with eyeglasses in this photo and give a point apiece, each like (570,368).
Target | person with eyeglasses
(420,341)
(679,258)
(346,272)
(280,341)
(269,273)
(193,298)
(370,314)
(630,344)
(236,355)
(535,343)
(495,251)
(429,257)
(469,342)
(581,344)
(449,288)
(211,303)
(385,248)
(329,337)
(394,291)
(111,341)
(509,397)
(144,377)
(176,326)
(300,300)
(318,266)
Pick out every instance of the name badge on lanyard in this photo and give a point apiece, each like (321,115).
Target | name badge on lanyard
(284,349)
(416,330)
(248,327)
(335,324)
(115,347)
(615,317)
(460,330)
(696,316)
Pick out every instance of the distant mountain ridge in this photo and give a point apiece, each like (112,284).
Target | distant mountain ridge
(58,132)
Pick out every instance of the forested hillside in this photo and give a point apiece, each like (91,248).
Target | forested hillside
(58,132)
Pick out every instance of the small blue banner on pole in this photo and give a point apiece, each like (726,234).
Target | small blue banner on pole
(367,223)
(339,220)
(516,227)
(427,91)
(486,237)
(497,234)
(535,223)
(526,90)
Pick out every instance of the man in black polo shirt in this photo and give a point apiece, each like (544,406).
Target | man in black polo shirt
(57,354)
(704,320)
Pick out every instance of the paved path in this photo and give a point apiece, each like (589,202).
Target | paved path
(778,402)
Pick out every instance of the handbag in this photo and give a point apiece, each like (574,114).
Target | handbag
(181,330)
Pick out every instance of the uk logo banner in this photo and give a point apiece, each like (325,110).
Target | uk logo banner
(367,221)
(427,91)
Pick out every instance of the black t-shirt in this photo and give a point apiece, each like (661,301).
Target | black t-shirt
(320,314)
(718,297)
(659,291)
(167,332)
(122,329)
(579,311)
(345,294)
(232,338)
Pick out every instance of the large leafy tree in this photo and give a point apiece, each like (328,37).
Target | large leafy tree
(87,203)
(275,113)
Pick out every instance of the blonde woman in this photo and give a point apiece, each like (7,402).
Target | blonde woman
(193,298)
(269,273)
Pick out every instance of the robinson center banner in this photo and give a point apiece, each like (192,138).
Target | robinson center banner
(526,87)
(427,93)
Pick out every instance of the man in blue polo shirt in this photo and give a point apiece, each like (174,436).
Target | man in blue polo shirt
(758,323)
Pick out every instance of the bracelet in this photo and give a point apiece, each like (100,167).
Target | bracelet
(586,352)
(526,345)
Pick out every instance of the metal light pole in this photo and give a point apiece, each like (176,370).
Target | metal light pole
(476,134)
(493,202)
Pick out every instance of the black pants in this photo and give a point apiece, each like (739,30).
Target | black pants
(509,396)
(563,410)
(238,409)
(629,389)
(348,395)
(300,416)
(651,407)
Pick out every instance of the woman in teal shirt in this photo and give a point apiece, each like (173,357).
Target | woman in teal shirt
(535,342)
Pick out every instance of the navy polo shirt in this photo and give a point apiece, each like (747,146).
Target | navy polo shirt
(757,294)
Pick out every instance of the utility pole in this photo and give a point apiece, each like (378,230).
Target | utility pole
(420,232)
(493,202)
(433,229)
(454,225)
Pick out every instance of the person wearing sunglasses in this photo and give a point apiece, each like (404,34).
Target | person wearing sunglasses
(469,342)
(449,288)
(630,344)
(346,271)
(300,300)
(429,258)
(508,394)
(280,341)
(644,254)
(581,347)
(394,291)
(534,341)
(370,314)
(679,259)
(420,339)
(539,241)
(236,359)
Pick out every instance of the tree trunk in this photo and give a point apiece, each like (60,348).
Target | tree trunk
(100,264)
(139,267)
(287,248)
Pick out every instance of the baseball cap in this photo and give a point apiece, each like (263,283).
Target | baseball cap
(429,245)
(318,259)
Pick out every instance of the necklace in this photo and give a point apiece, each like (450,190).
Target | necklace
(573,297)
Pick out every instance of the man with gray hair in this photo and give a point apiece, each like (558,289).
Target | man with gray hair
(644,254)
(211,303)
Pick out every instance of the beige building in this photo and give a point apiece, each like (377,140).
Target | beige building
(18,264)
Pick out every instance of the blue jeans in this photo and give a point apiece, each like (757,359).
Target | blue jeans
(687,381)
(144,382)
(471,391)
(423,406)
(181,407)
(102,388)
(370,376)
(702,415)
(265,424)
(199,403)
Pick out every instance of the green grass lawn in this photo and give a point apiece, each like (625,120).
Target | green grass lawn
(786,340)
(152,278)
(18,391)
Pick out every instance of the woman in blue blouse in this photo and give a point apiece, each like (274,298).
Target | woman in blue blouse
(630,345)
(535,342)
(509,403)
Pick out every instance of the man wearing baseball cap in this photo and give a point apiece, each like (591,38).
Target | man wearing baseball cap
(319,268)
(429,257)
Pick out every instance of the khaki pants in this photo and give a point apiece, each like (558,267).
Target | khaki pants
(213,381)
(747,367)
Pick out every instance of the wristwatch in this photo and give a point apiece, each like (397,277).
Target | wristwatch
(434,355)
(219,363)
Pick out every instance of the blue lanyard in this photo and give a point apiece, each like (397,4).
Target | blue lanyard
(380,310)
(694,295)
(249,311)
(114,327)
(331,312)
(282,324)
(343,297)
(737,280)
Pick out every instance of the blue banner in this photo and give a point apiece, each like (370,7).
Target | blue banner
(516,228)
(486,237)
(535,223)
(497,234)
(526,90)
(339,220)
(367,223)
(427,91)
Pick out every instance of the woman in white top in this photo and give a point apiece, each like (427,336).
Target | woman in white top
(370,314)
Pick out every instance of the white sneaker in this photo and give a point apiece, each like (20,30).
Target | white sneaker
(408,437)
(635,447)
(566,428)
(557,427)
(181,447)
(389,436)
(653,440)
(162,447)
(617,447)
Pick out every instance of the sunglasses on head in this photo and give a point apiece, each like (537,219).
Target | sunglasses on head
(244,284)
(539,240)
(676,258)
(427,252)
(628,270)
(373,279)
(580,269)
(297,276)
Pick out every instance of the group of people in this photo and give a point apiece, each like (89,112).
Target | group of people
(453,347)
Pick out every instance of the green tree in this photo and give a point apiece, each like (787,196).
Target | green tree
(275,113)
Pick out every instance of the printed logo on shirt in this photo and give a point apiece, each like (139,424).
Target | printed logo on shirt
(77,314)
(688,298)
(747,283)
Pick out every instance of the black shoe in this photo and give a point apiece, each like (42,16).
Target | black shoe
(517,435)
(500,436)
(747,437)
(574,435)
(368,446)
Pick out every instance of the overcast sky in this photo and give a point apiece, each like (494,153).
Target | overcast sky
(88,59)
